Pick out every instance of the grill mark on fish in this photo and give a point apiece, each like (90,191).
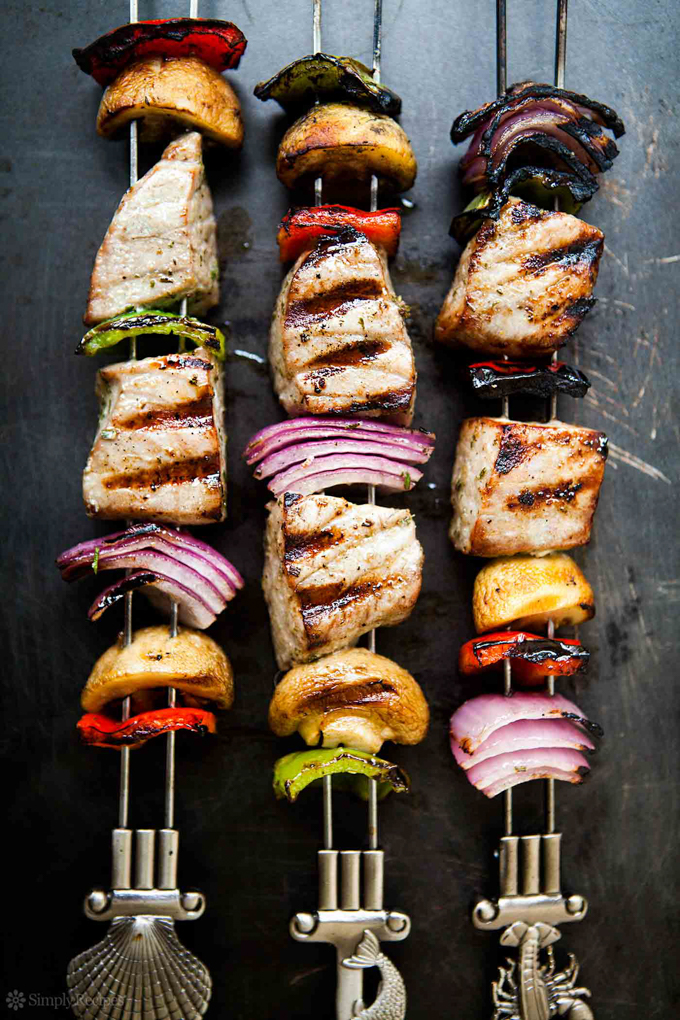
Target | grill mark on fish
(194,414)
(358,354)
(578,255)
(298,545)
(336,301)
(393,400)
(511,452)
(564,492)
(205,469)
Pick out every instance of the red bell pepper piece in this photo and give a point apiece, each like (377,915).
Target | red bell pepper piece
(218,43)
(533,657)
(102,731)
(300,229)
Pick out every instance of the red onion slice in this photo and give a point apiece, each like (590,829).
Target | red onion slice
(296,430)
(525,735)
(161,591)
(289,455)
(325,472)
(505,770)
(479,717)
(217,570)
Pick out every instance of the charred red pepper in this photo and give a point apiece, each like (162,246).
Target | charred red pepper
(533,657)
(300,229)
(102,731)
(493,379)
(218,43)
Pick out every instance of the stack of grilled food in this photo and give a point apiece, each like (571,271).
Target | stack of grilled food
(343,369)
(525,491)
(158,458)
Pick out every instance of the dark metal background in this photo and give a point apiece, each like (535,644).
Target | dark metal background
(254,857)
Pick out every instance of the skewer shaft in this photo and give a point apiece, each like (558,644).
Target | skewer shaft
(377,53)
(124,793)
(560,67)
(501,47)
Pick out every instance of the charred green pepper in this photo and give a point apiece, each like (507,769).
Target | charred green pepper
(132,324)
(325,77)
(354,768)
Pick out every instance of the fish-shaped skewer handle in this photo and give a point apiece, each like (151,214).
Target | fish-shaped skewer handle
(390,1002)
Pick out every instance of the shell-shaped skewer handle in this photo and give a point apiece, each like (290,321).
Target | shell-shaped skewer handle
(141,971)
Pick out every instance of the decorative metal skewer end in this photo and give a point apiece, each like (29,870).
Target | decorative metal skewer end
(527,911)
(139,970)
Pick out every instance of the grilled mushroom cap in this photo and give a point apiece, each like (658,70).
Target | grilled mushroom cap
(528,591)
(191,662)
(353,697)
(161,92)
(339,141)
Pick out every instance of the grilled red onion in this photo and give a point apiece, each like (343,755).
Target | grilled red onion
(525,735)
(298,430)
(308,455)
(499,773)
(477,719)
(185,568)
(537,127)
(362,448)
(161,591)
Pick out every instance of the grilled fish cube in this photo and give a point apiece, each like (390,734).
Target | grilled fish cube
(338,344)
(524,487)
(523,283)
(162,242)
(334,570)
(159,452)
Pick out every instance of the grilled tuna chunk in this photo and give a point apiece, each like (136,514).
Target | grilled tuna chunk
(159,452)
(523,283)
(338,344)
(334,570)
(162,242)
(524,487)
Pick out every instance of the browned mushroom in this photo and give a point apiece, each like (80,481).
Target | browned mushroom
(528,591)
(341,142)
(191,662)
(169,96)
(355,698)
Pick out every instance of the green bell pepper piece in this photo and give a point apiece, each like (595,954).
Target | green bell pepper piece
(325,77)
(122,327)
(354,768)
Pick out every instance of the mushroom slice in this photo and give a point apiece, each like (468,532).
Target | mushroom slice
(528,591)
(342,142)
(191,662)
(353,698)
(171,95)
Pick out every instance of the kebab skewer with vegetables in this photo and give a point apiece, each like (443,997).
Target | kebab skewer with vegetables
(159,459)
(524,492)
(343,368)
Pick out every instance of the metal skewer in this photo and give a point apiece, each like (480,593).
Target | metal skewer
(141,961)
(351,911)
(531,903)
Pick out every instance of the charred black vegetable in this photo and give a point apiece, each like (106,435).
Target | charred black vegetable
(325,77)
(537,141)
(493,379)
(535,184)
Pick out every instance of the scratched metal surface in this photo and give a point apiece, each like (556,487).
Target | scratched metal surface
(254,857)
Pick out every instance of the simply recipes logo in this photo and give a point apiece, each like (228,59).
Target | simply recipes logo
(16,1000)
